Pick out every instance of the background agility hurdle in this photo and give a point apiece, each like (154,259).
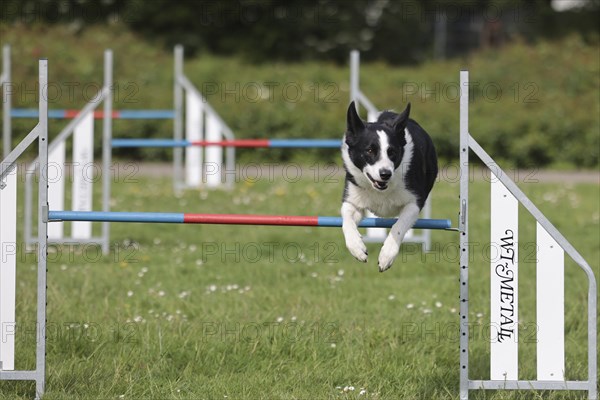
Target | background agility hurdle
(81,130)
(191,114)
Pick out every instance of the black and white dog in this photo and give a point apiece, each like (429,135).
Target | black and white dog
(391,166)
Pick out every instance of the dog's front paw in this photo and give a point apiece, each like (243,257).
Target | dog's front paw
(388,254)
(357,247)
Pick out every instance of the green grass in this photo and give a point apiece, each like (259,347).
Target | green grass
(215,312)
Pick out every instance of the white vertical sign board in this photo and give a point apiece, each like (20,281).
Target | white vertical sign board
(550,305)
(83,174)
(8,269)
(214,154)
(377,234)
(504,355)
(193,132)
(56,187)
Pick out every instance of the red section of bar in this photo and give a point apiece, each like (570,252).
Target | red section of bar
(235,143)
(97,114)
(245,219)
(71,113)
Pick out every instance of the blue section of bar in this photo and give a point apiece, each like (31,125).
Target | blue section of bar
(145,114)
(169,218)
(306,143)
(387,223)
(149,143)
(33,113)
(118,114)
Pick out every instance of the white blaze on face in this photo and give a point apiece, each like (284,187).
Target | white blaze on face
(384,162)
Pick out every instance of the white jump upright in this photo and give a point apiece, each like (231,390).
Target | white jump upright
(8,211)
(83,174)
(376,235)
(504,319)
(8,268)
(194,131)
(81,168)
(550,307)
(204,166)
(506,199)
(57,175)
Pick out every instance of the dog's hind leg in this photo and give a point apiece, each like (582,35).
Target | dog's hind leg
(391,246)
(351,216)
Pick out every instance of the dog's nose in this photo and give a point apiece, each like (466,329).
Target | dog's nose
(385,174)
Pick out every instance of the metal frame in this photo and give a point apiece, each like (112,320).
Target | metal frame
(5,82)
(106,96)
(468,143)
(40,132)
(181,84)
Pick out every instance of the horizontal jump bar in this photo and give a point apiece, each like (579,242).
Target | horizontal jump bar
(234,219)
(273,143)
(116,114)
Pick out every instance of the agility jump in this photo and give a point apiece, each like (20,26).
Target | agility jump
(504,355)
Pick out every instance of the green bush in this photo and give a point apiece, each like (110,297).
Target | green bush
(532,105)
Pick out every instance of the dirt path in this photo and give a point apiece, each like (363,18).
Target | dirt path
(145,169)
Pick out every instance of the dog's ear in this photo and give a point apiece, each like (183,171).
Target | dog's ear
(354,123)
(399,123)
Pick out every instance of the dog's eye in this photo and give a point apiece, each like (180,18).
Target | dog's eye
(370,151)
(391,153)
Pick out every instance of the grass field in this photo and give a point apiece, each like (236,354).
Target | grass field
(229,312)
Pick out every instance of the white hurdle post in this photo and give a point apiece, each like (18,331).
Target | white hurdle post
(8,271)
(56,187)
(194,131)
(214,154)
(83,177)
(504,227)
(83,174)
(550,307)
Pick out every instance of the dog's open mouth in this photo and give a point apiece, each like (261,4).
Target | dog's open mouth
(379,185)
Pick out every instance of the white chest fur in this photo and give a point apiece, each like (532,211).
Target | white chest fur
(388,203)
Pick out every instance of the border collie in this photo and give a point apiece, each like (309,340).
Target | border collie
(391,166)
